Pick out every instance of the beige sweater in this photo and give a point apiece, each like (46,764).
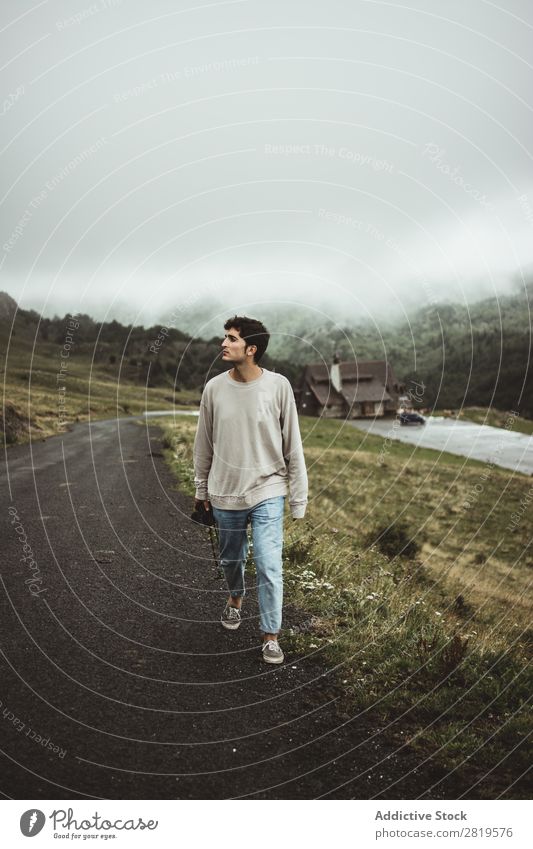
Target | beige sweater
(248,445)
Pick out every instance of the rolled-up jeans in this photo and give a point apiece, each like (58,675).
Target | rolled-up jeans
(267,534)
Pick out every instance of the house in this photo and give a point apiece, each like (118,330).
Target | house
(357,389)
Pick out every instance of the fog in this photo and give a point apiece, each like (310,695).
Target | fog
(172,159)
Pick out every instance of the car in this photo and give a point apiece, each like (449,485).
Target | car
(411,418)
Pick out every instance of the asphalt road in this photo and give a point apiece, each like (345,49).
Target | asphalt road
(497,445)
(118,680)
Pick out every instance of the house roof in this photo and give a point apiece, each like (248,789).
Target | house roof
(374,390)
(367,380)
(325,394)
(353,370)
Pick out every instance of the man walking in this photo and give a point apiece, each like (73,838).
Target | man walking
(247,457)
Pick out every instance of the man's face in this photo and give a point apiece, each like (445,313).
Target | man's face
(234,347)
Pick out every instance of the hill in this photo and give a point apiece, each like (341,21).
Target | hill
(68,369)
(476,356)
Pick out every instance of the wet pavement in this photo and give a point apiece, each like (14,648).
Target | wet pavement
(504,448)
(118,681)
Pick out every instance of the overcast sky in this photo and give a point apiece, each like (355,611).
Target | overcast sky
(353,154)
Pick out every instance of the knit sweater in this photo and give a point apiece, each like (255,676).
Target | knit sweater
(248,445)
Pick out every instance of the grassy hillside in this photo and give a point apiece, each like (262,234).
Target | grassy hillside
(476,356)
(495,418)
(420,603)
(408,573)
(75,369)
(97,384)
(465,356)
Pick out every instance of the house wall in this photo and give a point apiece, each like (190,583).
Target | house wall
(368,410)
(355,411)
(307,403)
(333,412)
(309,406)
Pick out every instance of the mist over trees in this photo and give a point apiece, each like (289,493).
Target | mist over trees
(464,355)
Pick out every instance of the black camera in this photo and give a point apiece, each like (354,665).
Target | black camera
(202,516)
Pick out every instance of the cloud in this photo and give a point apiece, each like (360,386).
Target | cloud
(152,151)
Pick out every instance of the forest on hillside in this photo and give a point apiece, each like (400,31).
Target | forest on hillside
(465,355)
(476,355)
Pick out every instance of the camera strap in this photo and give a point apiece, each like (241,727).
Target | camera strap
(213,533)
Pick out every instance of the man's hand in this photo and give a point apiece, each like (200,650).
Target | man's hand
(203,513)
(198,503)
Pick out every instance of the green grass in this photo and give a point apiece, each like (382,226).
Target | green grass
(494,418)
(436,646)
(94,390)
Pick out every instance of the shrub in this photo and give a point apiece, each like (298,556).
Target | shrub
(394,540)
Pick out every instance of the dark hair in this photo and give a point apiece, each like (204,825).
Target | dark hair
(252,331)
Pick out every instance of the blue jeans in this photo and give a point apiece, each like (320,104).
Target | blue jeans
(267,535)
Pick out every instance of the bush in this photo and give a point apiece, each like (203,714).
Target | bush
(394,540)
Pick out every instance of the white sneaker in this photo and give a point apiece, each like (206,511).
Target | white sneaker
(231,617)
(272,652)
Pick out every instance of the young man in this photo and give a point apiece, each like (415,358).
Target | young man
(247,456)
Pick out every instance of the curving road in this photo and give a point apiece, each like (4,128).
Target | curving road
(117,679)
(495,445)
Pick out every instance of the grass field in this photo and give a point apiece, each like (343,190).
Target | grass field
(409,572)
(435,643)
(93,389)
(494,418)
